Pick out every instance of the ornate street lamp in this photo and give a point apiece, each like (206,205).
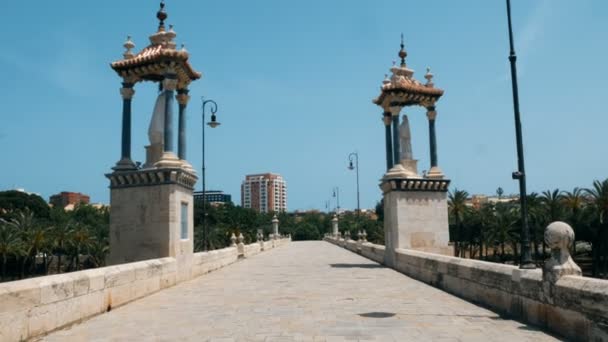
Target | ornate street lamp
(526,256)
(336,194)
(213,124)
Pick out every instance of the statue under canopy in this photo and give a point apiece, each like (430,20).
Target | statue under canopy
(406,139)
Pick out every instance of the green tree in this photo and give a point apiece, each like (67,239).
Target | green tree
(13,201)
(457,209)
(10,245)
(599,201)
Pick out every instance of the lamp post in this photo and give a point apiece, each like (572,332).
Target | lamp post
(351,167)
(336,194)
(520,175)
(213,123)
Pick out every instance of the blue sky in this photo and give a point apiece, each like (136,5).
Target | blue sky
(294,82)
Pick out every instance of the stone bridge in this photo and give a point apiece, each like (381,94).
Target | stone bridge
(299,291)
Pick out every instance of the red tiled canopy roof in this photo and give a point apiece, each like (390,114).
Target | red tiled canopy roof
(149,63)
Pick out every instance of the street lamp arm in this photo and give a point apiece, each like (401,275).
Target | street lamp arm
(213,105)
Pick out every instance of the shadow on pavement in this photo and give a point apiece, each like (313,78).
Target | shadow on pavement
(356,265)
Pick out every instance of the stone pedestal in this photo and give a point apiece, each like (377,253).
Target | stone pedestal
(415,216)
(151,215)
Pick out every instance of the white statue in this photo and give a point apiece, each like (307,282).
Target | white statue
(405,137)
(157,124)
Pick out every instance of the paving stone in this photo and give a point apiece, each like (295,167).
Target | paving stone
(302,291)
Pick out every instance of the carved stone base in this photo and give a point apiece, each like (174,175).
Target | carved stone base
(416,218)
(169,160)
(435,173)
(124,164)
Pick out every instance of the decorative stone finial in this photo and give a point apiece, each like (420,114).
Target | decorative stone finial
(364,236)
(386,80)
(429,77)
(162,16)
(402,52)
(170,36)
(129,45)
(241,238)
(559,237)
(184,48)
(233,240)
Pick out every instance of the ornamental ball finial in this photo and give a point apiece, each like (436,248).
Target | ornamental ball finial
(161,15)
(402,52)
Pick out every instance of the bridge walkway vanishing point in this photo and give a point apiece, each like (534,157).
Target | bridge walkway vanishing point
(303,291)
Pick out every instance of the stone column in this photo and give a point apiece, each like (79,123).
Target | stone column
(275,227)
(434,171)
(169,85)
(396,143)
(127,93)
(389,143)
(182,98)
(334,227)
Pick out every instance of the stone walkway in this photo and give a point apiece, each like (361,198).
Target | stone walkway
(304,291)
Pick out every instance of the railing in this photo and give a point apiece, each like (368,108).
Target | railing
(36,306)
(555,298)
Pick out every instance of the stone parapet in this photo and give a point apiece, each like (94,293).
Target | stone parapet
(574,307)
(37,306)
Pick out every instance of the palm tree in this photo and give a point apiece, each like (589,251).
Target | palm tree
(503,230)
(599,198)
(537,221)
(573,201)
(24,223)
(79,243)
(457,208)
(554,205)
(10,245)
(61,237)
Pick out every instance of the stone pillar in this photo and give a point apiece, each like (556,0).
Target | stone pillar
(396,143)
(241,246)
(275,227)
(233,240)
(415,215)
(334,227)
(125,162)
(169,85)
(389,142)
(434,171)
(182,98)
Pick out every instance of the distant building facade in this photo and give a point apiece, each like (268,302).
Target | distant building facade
(264,192)
(213,197)
(67,199)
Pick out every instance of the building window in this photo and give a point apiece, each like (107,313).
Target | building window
(184,230)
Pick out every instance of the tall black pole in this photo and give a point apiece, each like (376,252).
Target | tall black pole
(526,256)
(212,124)
(203,175)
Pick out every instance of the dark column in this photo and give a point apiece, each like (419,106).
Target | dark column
(389,143)
(127,93)
(169,85)
(431,115)
(396,145)
(182,99)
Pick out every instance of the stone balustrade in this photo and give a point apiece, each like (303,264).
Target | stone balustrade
(36,306)
(556,298)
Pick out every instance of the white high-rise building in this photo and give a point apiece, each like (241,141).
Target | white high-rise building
(264,192)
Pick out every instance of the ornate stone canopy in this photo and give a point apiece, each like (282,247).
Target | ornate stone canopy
(402,89)
(154,61)
(399,91)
